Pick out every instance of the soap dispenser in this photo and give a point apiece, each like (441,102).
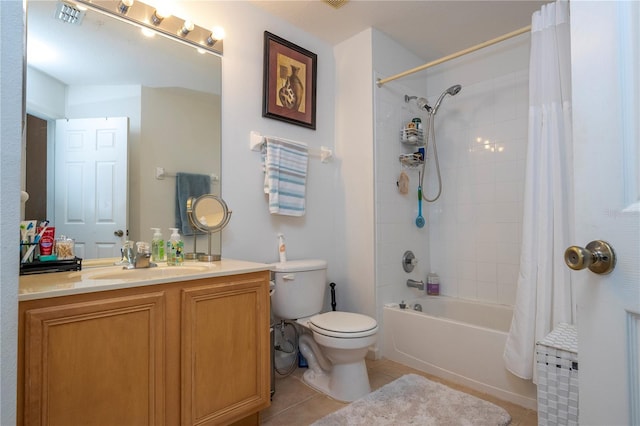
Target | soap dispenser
(157,246)
(175,249)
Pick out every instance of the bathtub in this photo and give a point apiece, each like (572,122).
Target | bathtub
(457,340)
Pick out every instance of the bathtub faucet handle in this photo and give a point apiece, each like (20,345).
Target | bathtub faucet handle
(409,261)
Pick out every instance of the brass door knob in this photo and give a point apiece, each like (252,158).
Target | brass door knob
(598,256)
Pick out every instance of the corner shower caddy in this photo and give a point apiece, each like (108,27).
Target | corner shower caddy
(412,137)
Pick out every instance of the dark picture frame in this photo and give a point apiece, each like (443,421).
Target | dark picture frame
(289,85)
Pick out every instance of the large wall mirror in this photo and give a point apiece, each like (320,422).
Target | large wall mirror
(107,107)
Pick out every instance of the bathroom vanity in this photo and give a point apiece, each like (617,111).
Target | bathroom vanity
(168,345)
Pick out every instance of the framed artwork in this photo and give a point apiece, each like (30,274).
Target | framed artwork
(289,86)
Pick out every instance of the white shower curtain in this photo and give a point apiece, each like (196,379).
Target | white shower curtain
(543,297)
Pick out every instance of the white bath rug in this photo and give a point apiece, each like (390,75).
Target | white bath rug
(414,400)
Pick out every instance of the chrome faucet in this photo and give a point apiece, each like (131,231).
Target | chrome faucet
(126,254)
(415,284)
(141,258)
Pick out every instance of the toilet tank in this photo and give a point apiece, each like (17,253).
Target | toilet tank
(300,287)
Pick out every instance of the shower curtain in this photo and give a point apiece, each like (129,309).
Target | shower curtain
(544,296)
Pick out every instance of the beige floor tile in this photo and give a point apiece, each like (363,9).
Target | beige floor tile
(389,368)
(378,379)
(295,403)
(290,391)
(306,412)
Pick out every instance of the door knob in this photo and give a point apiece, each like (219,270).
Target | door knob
(118,233)
(598,256)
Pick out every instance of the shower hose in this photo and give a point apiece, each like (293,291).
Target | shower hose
(431,136)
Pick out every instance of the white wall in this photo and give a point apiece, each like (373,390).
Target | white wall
(481,135)
(473,232)
(251,233)
(355,230)
(179,131)
(396,231)
(47,95)
(11,53)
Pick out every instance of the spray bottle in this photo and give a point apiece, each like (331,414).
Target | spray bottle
(157,246)
(175,249)
(281,248)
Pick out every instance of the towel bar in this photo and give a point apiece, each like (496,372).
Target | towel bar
(161,173)
(257,140)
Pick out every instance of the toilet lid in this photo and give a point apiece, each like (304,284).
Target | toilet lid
(343,324)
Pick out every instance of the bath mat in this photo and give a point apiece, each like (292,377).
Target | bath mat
(414,400)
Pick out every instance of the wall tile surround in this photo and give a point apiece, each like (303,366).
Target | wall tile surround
(473,233)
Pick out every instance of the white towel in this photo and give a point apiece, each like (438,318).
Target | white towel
(285,180)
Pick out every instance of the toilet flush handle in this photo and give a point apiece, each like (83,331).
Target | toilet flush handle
(289,277)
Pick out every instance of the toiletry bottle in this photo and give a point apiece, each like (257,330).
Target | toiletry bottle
(433,284)
(175,249)
(157,246)
(282,250)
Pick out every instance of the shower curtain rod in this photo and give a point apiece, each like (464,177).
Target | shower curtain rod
(522,30)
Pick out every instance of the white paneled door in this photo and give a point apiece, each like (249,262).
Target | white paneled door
(605,45)
(91,184)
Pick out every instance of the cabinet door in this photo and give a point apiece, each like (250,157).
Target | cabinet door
(225,351)
(96,363)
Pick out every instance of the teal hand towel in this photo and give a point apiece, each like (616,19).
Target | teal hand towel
(189,185)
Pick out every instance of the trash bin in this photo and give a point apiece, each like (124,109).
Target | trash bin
(557,368)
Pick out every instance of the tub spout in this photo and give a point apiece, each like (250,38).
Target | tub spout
(415,284)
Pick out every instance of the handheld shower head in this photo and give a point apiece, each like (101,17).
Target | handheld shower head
(453,90)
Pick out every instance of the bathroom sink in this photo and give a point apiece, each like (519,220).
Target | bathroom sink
(149,273)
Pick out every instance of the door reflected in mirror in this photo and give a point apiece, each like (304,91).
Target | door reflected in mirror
(104,68)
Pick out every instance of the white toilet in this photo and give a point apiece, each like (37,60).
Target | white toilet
(335,354)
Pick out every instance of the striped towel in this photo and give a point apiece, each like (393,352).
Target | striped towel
(285,177)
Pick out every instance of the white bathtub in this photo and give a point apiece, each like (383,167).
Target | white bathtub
(457,340)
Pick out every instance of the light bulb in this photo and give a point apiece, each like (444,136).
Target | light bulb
(187,27)
(124,5)
(163,10)
(217,33)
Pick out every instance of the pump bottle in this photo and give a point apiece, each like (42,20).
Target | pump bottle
(175,249)
(157,246)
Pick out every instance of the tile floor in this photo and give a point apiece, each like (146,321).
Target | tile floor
(296,404)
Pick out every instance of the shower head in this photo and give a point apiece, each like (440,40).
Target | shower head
(453,90)
(420,102)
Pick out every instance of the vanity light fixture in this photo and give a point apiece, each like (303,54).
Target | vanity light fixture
(161,21)
(124,5)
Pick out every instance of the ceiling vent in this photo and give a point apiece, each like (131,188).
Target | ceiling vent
(67,12)
(336,4)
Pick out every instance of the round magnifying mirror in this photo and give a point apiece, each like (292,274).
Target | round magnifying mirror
(208,213)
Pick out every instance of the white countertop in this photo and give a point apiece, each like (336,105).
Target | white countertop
(102,278)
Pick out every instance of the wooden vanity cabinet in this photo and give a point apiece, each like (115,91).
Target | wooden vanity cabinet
(191,353)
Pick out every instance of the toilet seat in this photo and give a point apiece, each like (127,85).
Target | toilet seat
(346,325)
